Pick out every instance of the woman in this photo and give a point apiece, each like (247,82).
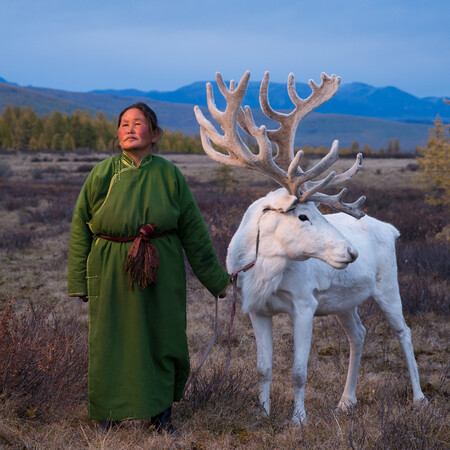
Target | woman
(138,352)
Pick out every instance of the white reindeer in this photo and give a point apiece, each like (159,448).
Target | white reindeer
(295,249)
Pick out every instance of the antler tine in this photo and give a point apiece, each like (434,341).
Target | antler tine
(206,142)
(349,173)
(313,187)
(335,201)
(264,100)
(297,177)
(241,120)
(239,154)
(326,162)
(318,186)
(234,93)
(260,134)
(342,177)
(296,99)
(327,88)
(284,136)
(214,111)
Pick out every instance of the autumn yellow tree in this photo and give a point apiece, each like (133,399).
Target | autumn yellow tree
(434,165)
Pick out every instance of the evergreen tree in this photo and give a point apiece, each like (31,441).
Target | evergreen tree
(42,142)
(68,143)
(24,128)
(56,124)
(100,145)
(5,134)
(434,165)
(33,144)
(9,119)
(56,142)
(37,128)
(389,148)
(88,133)
(225,179)
(367,149)
(355,147)
(8,115)
(396,147)
(75,128)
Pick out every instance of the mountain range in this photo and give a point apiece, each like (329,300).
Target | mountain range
(356,99)
(358,112)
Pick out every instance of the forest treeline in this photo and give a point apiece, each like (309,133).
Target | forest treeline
(22,129)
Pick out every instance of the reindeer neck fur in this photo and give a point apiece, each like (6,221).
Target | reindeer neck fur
(258,283)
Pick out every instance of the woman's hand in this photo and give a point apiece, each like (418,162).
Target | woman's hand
(83,298)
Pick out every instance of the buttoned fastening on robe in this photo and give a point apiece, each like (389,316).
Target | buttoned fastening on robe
(138,353)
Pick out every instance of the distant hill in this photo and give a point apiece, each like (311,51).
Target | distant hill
(41,102)
(356,99)
(2,80)
(319,128)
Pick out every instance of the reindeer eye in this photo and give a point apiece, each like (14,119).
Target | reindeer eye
(302,217)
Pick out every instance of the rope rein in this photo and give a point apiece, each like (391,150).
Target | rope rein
(217,383)
(233,279)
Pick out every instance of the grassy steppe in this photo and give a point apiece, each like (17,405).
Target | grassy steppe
(43,333)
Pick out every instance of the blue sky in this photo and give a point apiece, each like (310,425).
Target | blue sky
(81,45)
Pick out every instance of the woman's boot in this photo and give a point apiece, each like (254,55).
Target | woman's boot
(106,425)
(163,421)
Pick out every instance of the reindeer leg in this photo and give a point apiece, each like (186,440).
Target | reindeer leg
(303,323)
(262,326)
(388,298)
(355,331)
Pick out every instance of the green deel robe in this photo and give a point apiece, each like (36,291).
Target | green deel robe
(138,352)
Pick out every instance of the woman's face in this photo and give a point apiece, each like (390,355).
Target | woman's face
(134,131)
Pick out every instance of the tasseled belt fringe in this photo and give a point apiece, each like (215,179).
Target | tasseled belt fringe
(142,261)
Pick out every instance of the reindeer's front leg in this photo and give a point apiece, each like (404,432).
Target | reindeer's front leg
(302,319)
(262,326)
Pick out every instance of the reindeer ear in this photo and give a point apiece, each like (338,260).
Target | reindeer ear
(280,200)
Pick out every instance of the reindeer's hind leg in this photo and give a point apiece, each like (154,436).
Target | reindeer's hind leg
(355,331)
(262,326)
(387,295)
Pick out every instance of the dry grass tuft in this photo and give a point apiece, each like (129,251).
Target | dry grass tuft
(221,407)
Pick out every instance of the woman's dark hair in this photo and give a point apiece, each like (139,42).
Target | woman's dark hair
(149,114)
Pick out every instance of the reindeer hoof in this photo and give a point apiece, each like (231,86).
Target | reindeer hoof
(299,419)
(421,402)
(345,406)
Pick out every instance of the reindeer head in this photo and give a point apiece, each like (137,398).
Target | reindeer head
(292,230)
(284,167)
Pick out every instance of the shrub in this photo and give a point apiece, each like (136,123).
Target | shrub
(15,240)
(422,257)
(424,294)
(55,213)
(229,405)
(84,168)
(43,361)
(6,171)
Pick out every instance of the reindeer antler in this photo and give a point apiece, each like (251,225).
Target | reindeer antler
(284,167)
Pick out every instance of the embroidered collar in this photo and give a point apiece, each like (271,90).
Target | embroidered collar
(128,161)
